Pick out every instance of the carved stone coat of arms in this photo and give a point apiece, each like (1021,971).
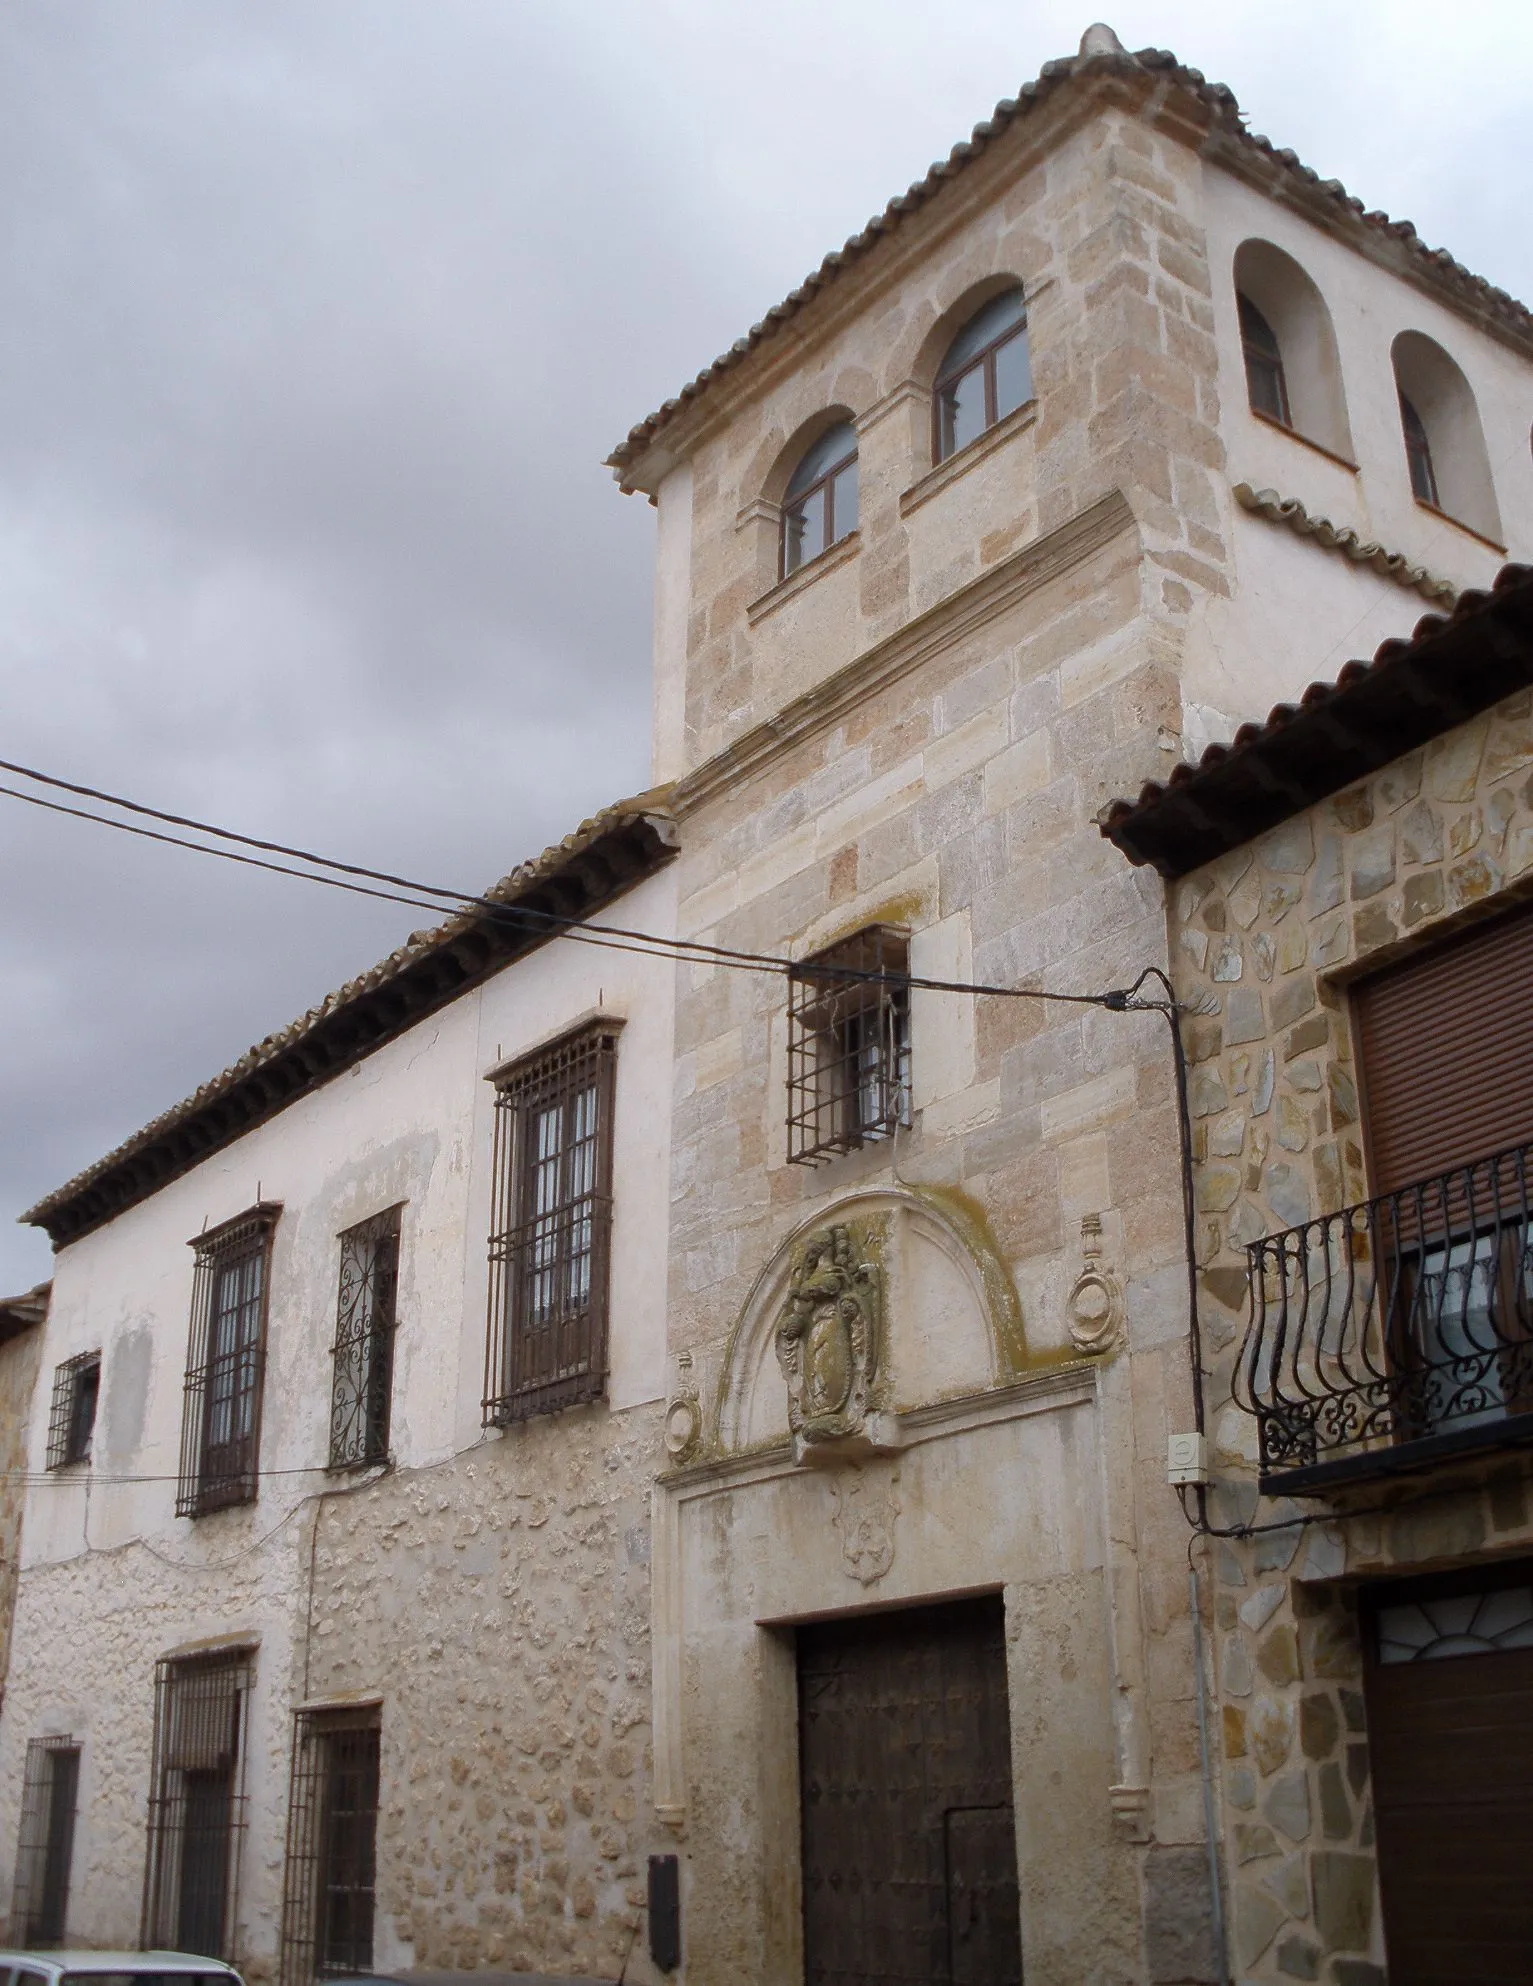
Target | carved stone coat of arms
(829,1337)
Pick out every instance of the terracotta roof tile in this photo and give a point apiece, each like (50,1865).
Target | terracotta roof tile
(1224,115)
(1452,667)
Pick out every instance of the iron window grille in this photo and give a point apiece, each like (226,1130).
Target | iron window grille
(551,1242)
(330,1874)
(1418,455)
(820,505)
(848,1045)
(1395,1332)
(364,1342)
(45,1845)
(225,1365)
(72,1418)
(985,375)
(197,1802)
(1266,383)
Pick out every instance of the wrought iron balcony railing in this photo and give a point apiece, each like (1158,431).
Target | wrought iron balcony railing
(1395,1333)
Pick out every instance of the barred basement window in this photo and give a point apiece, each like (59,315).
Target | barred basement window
(45,1845)
(72,1419)
(196,1803)
(332,1832)
(547,1340)
(364,1342)
(225,1364)
(848,1045)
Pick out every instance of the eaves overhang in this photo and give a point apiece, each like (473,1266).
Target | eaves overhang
(571,881)
(23,1313)
(1452,668)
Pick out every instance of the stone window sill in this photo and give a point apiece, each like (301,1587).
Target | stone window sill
(1458,524)
(796,582)
(1304,440)
(977,450)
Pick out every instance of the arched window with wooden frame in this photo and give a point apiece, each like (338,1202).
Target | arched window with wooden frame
(1445,453)
(820,504)
(985,374)
(1288,349)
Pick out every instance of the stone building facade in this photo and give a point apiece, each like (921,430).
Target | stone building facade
(1111,407)
(464,1605)
(896,739)
(1271,939)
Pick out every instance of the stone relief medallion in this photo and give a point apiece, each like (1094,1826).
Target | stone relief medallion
(683,1416)
(864,1519)
(1094,1307)
(829,1336)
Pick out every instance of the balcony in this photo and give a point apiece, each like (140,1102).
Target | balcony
(1397,1334)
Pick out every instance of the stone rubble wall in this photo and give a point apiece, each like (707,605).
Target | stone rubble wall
(1264,941)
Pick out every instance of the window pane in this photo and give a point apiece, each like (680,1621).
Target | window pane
(832,446)
(804,532)
(982,329)
(1418,453)
(1013,375)
(961,411)
(843,490)
(1265,384)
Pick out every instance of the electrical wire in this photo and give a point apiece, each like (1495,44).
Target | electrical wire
(521,916)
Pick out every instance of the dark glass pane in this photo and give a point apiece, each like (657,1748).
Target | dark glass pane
(832,447)
(843,489)
(804,532)
(1418,453)
(982,329)
(1013,375)
(1265,384)
(961,412)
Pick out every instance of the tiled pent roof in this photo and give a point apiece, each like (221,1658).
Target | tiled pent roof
(1101,54)
(572,879)
(1451,669)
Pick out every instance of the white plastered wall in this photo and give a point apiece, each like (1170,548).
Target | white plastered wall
(111,1578)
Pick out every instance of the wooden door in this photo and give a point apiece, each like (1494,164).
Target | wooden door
(1450,1735)
(909,1847)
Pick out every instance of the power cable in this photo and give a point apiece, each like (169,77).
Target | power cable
(611,937)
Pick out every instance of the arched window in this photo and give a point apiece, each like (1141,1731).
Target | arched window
(985,374)
(1265,383)
(1418,455)
(820,505)
(1293,373)
(1445,450)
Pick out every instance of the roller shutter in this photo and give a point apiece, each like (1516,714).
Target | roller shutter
(1446,1046)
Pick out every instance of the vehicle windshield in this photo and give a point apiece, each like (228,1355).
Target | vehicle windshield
(148,1977)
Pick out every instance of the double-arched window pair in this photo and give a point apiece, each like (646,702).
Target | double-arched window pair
(985,375)
(1294,380)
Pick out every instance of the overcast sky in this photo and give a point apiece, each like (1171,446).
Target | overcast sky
(318,318)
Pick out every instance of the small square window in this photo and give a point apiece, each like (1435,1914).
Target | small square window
(848,1045)
(72,1421)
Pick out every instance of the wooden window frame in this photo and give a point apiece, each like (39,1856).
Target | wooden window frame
(948,379)
(366,1317)
(1257,357)
(1419,466)
(797,507)
(322,1739)
(551,1239)
(71,1430)
(848,1045)
(45,1844)
(219,1472)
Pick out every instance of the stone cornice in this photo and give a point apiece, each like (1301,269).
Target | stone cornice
(940,627)
(1341,538)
